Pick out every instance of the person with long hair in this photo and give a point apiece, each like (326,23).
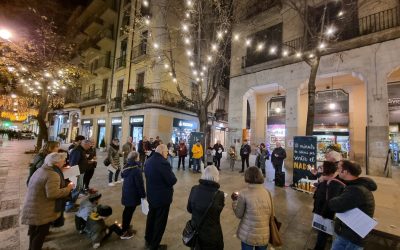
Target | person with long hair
(38,160)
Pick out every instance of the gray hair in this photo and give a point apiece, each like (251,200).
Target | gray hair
(53,158)
(211,173)
(161,148)
(133,155)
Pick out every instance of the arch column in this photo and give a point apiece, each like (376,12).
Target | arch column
(291,121)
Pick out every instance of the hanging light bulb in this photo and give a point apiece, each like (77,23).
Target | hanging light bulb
(219,35)
(145,3)
(322,46)
(191,63)
(236,37)
(214,47)
(187,40)
(13,96)
(248,42)
(260,46)
(188,52)
(285,53)
(272,50)
(209,58)
(185,27)
(298,54)
(278,110)
(156,46)
(166,66)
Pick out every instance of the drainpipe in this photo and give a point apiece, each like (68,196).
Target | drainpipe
(132,42)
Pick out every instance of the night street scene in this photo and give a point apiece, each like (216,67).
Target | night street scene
(200,124)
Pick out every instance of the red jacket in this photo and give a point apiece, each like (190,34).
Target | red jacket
(182,149)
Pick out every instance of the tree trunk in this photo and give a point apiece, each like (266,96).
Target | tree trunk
(311,97)
(43,108)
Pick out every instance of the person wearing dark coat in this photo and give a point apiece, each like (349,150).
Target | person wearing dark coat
(262,156)
(277,157)
(218,153)
(210,233)
(357,194)
(245,151)
(329,187)
(159,183)
(182,153)
(132,191)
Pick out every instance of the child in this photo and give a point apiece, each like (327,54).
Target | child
(86,207)
(209,156)
(232,154)
(96,227)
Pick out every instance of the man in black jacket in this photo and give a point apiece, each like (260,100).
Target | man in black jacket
(218,154)
(277,157)
(159,186)
(245,151)
(357,194)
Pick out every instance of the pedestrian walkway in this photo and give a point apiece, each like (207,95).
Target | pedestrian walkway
(292,208)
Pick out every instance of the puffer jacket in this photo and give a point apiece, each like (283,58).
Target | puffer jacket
(40,201)
(96,228)
(254,209)
(357,194)
(197,151)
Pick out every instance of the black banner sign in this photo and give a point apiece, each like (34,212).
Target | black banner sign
(304,156)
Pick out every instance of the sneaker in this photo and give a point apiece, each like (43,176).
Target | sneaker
(118,182)
(96,245)
(126,236)
(111,184)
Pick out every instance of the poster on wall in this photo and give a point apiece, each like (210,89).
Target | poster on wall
(304,160)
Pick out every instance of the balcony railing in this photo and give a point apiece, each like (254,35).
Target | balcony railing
(139,50)
(116,103)
(376,22)
(98,93)
(158,96)
(121,62)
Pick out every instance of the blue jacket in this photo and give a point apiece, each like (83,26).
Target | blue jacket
(133,187)
(78,157)
(159,181)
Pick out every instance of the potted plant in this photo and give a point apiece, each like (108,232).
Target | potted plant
(131,92)
(103,145)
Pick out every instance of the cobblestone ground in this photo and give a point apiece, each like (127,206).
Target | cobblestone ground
(292,208)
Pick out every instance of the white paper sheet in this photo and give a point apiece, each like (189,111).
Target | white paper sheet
(323,224)
(112,169)
(71,172)
(145,206)
(358,221)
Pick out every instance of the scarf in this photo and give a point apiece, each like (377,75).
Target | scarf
(60,202)
(116,147)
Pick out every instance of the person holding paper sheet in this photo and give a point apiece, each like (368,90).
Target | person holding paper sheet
(132,191)
(327,189)
(357,194)
(114,156)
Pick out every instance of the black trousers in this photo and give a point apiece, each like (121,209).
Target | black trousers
(217,162)
(322,238)
(88,176)
(245,159)
(37,235)
(155,225)
(181,159)
(127,217)
(80,223)
(278,168)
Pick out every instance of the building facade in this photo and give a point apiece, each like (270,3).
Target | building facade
(269,91)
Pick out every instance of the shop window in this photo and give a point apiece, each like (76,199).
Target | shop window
(269,38)
(92,111)
(140,80)
(83,111)
(102,108)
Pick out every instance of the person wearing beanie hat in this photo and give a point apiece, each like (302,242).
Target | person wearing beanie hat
(96,227)
(86,207)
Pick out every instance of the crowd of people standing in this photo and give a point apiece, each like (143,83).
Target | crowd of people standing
(339,189)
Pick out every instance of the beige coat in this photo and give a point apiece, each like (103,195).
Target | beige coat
(253,208)
(43,190)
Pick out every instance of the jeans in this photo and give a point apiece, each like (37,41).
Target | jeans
(127,217)
(278,168)
(245,159)
(87,177)
(110,175)
(171,160)
(232,164)
(341,243)
(37,234)
(181,159)
(218,162)
(248,247)
(155,225)
(196,164)
(80,223)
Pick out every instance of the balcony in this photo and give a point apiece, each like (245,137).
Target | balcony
(147,96)
(109,15)
(121,62)
(105,39)
(72,98)
(94,25)
(139,52)
(116,104)
(363,34)
(103,66)
(94,97)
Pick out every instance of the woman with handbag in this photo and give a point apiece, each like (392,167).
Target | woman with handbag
(254,207)
(205,204)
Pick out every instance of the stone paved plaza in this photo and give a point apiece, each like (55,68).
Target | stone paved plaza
(292,208)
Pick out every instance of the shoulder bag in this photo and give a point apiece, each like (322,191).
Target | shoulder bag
(190,233)
(274,225)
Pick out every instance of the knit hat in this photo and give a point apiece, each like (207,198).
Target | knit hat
(104,210)
(94,197)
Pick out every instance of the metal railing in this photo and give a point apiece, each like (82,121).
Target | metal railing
(375,22)
(98,93)
(116,103)
(121,62)
(379,21)
(106,33)
(139,50)
(103,62)
(158,96)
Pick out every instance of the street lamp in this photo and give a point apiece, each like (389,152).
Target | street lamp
(5,34)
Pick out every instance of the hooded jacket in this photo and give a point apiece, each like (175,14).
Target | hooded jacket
(357,194)
(133,186)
